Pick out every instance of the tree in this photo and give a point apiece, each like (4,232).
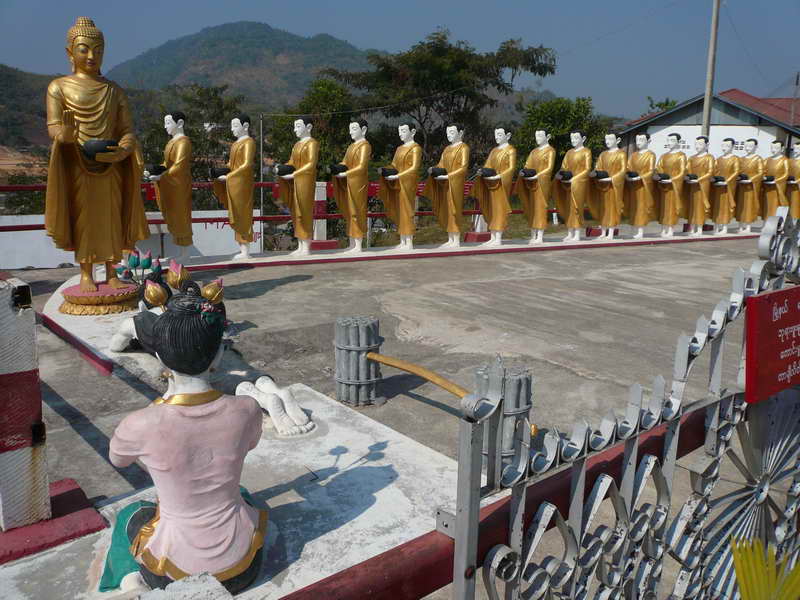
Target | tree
(655,107)
(560,117)
(438,82)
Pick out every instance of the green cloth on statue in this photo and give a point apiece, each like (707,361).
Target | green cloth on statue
(119,560)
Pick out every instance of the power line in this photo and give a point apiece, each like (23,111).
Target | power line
(744,46)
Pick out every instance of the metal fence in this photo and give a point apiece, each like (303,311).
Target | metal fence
(744,478)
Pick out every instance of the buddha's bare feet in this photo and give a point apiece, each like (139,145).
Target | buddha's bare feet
(115,283)
(87,285)
(292,408)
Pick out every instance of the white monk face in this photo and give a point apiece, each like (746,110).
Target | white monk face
(357,132)
(673,142)
(576,139)
(301,129)
(700,145)
(238,129)
(750,146)
(612,141)
(171,126)
(642,142)
(541,137)
(796,151)
(406,133)
(727,146)
(453,134)
(776,147)
(501,136)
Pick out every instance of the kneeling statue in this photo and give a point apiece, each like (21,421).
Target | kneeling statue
(193,442)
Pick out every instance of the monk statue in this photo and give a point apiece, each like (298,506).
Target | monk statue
(193,441)
(640,192)
(93,201)
(793,183)
(234,189)
(297,180)
(494,185)
(445,185)
(533,185)
(776,172)
(174,183)
(351,185)
(698,180)
(398,185)
(608,186)
(572,185)
(723,191)
(670,172)
(748,189)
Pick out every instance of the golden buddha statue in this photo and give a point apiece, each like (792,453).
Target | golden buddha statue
(670,173)
(723,192)
(640,191)
(235,189)
(572,185)
(698,184)
(748,191)
(174,184)
(351,186)
(793,187)
(493,188)
(93,202)
(398,189)
(298,186)
(534,183)
(773,188)
(607,199)
(446,190)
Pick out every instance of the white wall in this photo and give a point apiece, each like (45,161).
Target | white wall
(764,135)
(19,249)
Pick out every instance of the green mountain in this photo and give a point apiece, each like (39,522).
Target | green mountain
(270,67)
(23,116)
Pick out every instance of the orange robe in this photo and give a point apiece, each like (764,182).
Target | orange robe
(351,192)
(698,194)
(671,194)
(236,192)
(493,194)
(640,196)
(608,197)
(298,193)
(571,197)
(399,195)
(793,189)
(447,196)
(723,205)
(94,209)
(773,195)
(535,195)
(748,194)
(174,190)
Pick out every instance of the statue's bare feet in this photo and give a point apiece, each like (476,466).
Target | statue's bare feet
(87,285)
(115,283)
(292,408)
(274,405)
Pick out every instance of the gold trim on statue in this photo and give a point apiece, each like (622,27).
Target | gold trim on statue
(189,399)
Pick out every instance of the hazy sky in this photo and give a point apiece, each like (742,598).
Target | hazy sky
(616,51)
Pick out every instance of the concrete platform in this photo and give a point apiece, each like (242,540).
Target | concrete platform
(349,490)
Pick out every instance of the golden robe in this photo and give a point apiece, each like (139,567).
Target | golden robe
(298,193)
(535,195)
(236,192)
(793,189)
(571,197)
(174,190)
(773,195)
(640,196)
(447,196)
(671,195)
(93,208)
(699,194)
(351,191)
(399,195)
(607,198)
(748,195)
(723,204)
(493,194)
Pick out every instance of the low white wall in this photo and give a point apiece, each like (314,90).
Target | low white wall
(688,133)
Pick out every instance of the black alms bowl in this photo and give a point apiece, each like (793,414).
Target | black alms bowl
(438,172)
(219,172)
(92,147)
(528,172)
(155,169)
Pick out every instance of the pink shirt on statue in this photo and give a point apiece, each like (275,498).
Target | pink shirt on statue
(194,455)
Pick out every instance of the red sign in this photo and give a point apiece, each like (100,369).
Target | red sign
(772,351)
